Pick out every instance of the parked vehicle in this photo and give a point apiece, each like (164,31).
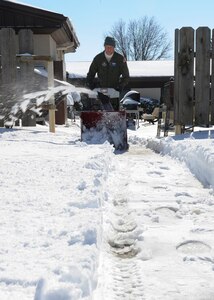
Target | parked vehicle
(148,104)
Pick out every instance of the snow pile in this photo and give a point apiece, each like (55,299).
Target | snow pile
(196,152)
(47,218)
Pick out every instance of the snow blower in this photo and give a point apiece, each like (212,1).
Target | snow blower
(105,123)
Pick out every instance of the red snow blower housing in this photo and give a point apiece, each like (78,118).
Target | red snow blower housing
(105,124)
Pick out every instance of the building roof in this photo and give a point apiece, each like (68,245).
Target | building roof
(145,68)
(150,74)
(18,16)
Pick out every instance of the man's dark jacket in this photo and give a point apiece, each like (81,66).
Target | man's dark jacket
(113,74)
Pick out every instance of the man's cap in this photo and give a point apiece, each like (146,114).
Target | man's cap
(110,41)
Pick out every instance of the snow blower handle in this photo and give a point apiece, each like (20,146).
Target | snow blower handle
(104,95)
(110,92)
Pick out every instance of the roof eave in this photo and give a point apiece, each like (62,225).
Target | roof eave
(57,25)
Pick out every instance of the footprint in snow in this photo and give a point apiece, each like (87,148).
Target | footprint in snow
(183,194)
(193,247)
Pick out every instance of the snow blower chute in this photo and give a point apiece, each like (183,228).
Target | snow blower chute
(107,122)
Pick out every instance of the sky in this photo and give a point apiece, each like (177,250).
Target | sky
(93,19)
(81,221)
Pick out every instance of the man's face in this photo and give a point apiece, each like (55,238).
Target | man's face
(109,49)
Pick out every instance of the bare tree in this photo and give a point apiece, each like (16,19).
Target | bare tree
(120,35)
(142,39)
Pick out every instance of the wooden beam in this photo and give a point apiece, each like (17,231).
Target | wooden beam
(51,100)
(32,58)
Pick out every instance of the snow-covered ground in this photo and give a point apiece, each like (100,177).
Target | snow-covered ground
(79,221)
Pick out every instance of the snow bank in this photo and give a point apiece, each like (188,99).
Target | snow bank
(197,153)
(51,216)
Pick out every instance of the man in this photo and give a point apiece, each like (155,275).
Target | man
(111,69)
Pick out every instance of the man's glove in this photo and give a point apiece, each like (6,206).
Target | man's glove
(90,86)
(103,98)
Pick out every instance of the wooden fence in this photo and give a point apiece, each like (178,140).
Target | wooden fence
(17,75)
(194,78)
(14,72)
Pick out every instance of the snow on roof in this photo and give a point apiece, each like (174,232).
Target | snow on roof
(26,4)
(151,68)
(136,68)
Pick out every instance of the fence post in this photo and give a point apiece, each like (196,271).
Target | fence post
(8,52)
(202,76)
(52,109)
(26,68)
(26,47)
(8,85)
(184,66)
(176,83)
(212,82)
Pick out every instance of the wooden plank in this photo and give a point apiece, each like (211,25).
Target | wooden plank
(26,44)
(212,82)
(52,118)
(176,77)
(9,71)
(202,76)
(32,58)
(0,72)
(26,72)
(184,77)
(58,70)
(8,55)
